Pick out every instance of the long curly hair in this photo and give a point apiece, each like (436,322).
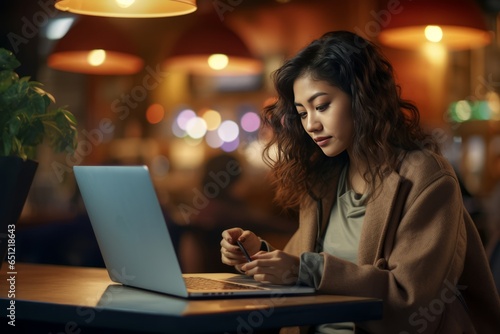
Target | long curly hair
(385,125)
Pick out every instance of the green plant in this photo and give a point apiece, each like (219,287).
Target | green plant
(25,117)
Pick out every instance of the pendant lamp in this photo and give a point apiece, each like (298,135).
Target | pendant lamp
(211,48)
(94,46)
(128,8)
(456,24)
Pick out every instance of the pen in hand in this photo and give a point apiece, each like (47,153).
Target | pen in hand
(244,251)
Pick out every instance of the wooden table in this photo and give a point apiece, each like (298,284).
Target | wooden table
(61,299)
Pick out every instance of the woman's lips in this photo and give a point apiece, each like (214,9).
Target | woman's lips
(322,141)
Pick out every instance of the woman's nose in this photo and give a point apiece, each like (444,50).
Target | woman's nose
(313,124)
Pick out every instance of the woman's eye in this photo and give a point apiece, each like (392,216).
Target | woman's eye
(302,114)
(322,107)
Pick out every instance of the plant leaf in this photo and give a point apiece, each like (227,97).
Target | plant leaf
(38,104)
(14,125)
(7,60)
(25,118)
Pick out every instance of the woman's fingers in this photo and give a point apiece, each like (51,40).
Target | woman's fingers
(232,234)
(231,253)
(275,267)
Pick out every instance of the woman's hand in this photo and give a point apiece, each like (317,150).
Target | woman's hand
(276,267)
(231,253)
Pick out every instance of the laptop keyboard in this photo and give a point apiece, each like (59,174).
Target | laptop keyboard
(201,283)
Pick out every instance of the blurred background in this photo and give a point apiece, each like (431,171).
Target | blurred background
(143,98)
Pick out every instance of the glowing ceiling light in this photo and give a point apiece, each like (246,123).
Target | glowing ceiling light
(71,52)
(124,3)
(218,61)
(456,24)
(211,48)
(96,57)
(433,33)
(127,8)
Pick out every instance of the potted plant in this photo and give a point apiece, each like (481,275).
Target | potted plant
(26,120)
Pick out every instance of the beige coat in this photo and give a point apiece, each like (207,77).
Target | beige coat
(417,244)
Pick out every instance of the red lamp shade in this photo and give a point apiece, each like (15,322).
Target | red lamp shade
(211,48)
(457,24)
(94,46)
(128,8)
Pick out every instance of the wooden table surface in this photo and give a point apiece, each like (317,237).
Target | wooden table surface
(74,298)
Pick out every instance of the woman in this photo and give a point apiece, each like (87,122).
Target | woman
(381,213)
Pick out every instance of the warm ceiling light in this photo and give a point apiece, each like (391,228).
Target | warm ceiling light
(125,3)
(96,57)
(218,61)
(433,33)
(456,24)
(94,46)
(128,8)
(210,48)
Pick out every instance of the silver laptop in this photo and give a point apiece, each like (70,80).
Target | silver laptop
(135,243)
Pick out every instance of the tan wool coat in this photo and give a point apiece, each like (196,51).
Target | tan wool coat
(419,252)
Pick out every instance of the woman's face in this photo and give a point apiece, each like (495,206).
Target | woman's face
(325,113)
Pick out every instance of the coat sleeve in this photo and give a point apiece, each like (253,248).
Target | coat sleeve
(416,278)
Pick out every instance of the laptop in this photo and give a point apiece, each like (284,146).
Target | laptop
(135,243)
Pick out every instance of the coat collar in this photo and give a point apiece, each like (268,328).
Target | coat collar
(315,214)
(377,217)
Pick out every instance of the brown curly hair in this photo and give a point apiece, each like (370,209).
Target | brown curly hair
(385,125)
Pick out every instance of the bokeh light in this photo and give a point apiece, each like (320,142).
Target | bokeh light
(196,127)
(230,146)
(213,140)
(494,104)
(250,122)
(463,110)
(155,113)
(212,118)
(184,117)
(177,131)
(228,131)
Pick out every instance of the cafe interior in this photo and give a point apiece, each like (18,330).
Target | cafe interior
(179,88)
